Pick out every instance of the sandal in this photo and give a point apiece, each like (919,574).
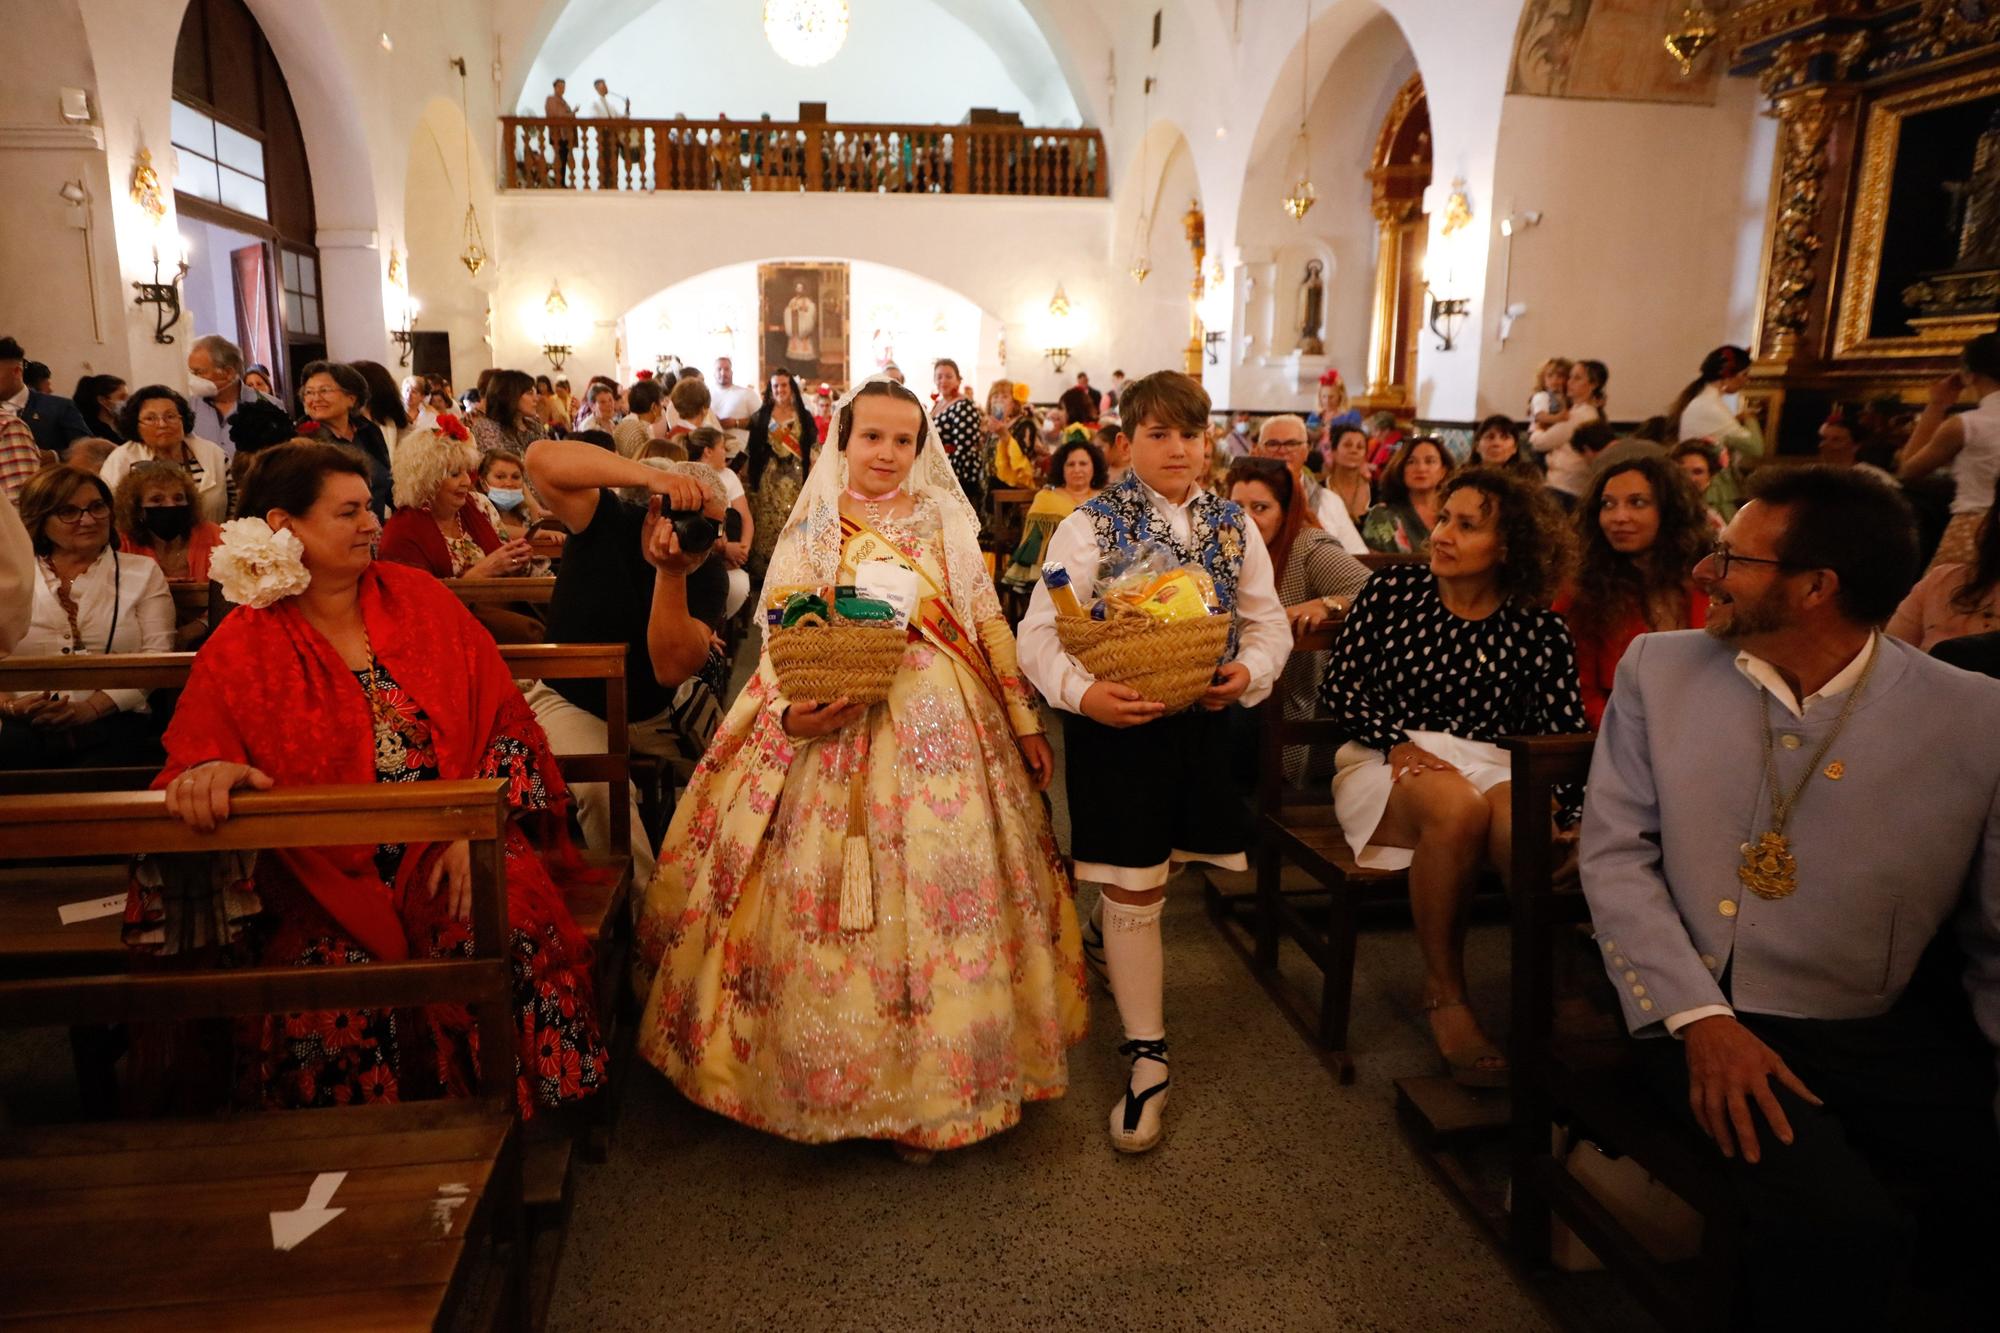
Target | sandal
(1483,1066)
(1137,1121)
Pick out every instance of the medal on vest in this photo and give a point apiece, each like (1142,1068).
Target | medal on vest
(1769,870)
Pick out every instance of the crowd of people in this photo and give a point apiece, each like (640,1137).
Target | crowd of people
(858,923)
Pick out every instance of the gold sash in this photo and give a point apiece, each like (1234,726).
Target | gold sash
(934,619)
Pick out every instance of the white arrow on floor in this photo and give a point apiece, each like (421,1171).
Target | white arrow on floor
(293,1225)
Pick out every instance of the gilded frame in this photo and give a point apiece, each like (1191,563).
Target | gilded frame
(1881,138)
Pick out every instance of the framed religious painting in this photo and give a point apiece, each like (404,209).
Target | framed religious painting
(802,322)
(1922,270)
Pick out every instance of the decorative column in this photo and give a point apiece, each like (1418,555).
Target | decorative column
(1197,237)
(1392,219)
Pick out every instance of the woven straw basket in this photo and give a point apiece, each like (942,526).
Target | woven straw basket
(818,663)
(1169,663)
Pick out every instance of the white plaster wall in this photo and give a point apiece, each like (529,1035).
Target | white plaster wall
(45,278)
(1647,254)
(452,300)
(904,61)
(1004,255)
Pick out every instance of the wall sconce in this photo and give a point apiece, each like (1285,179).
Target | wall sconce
(166,295)
(402,336)
(1448,315)
(1059,326)
(1058,358)
(555,327)
(1211,340)
(556,353)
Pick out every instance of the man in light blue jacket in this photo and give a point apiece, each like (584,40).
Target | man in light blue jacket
(1785,812)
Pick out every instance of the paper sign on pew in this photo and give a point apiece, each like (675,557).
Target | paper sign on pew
(293,1225)
(91,910)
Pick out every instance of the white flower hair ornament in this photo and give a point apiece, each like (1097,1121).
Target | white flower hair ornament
(256,565)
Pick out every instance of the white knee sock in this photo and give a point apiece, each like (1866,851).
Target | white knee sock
(1137,964)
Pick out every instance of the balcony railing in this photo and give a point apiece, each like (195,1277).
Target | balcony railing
(640,156)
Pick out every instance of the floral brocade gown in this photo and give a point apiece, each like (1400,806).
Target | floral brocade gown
(960,1003)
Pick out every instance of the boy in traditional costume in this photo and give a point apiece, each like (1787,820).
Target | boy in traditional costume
(1147,791)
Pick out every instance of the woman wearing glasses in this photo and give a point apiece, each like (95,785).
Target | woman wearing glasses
(333,394)
(159,423)
(89,599)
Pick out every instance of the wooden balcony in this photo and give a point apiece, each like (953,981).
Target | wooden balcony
(642,156)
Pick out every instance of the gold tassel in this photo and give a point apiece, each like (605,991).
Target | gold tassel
(857,876)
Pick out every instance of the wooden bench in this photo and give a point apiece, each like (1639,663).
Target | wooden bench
(1591,1086)
(503,592)
(1308,886)
(168,1223)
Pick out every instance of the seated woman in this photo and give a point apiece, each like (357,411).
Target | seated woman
(437,528)
(333,394)
(1317,578)
(158,423)
(1412,499)
(156,506)
(1640,530)
(1498,444)
(338,668)
(1431,667)
(1953,601)
(89,599)
(503,481)
(916,986)
(1698,461)
(1076,474)
(1347,471)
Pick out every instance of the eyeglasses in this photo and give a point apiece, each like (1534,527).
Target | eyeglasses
(71,515)
(321,391)
(160,419)
(1724,557)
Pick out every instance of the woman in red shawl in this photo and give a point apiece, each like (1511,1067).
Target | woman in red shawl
(367,672)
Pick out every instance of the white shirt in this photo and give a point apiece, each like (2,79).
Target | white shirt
(732,485)
(212,489)
(17,404)
(145,615)
(1333,516)
(1263,644)
(1707,417)
(1767,678)
(610,106)
(737,402)
(1978,463)
(1568,471)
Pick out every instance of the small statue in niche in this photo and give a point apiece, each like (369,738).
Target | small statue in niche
(1312,309)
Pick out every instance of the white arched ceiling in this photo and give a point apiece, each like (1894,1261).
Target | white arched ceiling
(1026,41)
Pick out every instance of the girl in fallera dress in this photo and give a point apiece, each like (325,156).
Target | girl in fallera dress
(932,1025)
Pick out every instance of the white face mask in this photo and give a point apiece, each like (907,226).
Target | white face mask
(199,387)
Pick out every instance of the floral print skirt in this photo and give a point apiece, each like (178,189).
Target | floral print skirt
(338,1057)
(932,1027)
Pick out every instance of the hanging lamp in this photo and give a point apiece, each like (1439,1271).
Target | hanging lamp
(1300,198)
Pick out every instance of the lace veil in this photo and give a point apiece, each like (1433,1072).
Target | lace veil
(808,549)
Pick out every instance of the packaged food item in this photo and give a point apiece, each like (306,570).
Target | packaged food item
(1173,597)
(800,605)
(887,581)
(774,602)
(1061,593)
(857,610)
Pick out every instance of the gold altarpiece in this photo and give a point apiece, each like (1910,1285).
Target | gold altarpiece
(1398,172)
(1882,242)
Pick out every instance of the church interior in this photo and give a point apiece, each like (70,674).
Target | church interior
(892,553)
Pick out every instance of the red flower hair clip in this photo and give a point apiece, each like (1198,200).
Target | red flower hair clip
(1329,376)
(451,427)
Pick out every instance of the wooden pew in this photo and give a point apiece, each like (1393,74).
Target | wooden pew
(166,1223)
(503,592)
(1308,885)
(29,938)
(1590,1086)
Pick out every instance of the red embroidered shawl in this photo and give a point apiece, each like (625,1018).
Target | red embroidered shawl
(268,690)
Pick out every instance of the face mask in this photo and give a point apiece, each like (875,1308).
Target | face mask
(168,522)
(507,501)
(200,388)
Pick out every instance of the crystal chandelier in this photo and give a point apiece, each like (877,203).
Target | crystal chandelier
(806,32)
(1299,199)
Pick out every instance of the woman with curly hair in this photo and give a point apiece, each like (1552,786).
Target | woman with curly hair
(437,526)
(1640,530)
(1434,664)
(1076,474)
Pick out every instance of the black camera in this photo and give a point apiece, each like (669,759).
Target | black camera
(695,530)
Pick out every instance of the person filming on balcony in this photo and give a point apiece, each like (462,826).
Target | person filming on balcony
(612,145)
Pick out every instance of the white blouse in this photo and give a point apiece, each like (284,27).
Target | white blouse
(144,616)
(1978,463)
(211,473)
(1569,471)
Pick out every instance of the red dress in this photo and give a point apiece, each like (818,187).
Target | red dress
(268,690)
(1598,651)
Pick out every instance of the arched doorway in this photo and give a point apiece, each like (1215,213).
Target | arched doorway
(1398,173)
(243,192)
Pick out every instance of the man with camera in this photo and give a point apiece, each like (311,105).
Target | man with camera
(617,584)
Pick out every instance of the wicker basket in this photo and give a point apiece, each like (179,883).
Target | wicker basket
(818,663)
(1169,663)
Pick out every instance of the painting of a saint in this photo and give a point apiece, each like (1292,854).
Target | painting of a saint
(803,322)
(801,314)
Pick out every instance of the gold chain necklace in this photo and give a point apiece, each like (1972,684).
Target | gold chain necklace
(1768,868)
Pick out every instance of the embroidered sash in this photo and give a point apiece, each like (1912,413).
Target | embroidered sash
(935,619)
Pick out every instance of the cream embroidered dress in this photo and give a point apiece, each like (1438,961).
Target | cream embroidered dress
(960,1003)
